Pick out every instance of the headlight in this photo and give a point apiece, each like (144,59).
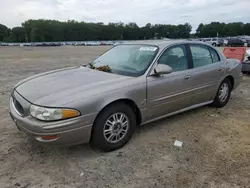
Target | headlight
(50,114)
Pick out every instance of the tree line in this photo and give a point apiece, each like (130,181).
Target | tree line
(53,30)
(223,30)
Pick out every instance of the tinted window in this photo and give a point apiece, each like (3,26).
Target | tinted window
(175,57)
(201,55)
(215,56)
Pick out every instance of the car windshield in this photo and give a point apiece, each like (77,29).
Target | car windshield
(128,60)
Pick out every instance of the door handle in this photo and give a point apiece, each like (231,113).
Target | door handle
(187,77)
(220,69)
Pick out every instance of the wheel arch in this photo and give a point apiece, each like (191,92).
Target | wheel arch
(128,102)
(231,79)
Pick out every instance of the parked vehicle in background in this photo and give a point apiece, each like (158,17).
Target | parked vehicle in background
(246,63)
(225,41)
(129,85)
(235,42)
(3,44)
(222,42)
(214,41)
(245,42)
(200,39)
(248,42)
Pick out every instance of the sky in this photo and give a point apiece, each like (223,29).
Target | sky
(14,12)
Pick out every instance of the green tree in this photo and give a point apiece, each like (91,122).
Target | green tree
(233,29)
(4,33)
(199,29)
(211,30)
(222,29)
(17,34)
(53,30)
(246,29)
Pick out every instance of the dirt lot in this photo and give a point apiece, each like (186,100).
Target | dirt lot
(216,151)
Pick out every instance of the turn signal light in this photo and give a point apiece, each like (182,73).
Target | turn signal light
(49,137)
(69,113)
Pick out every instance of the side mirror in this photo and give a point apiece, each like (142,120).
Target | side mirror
(162,69)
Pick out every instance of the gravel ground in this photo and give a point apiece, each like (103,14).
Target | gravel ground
(216,150)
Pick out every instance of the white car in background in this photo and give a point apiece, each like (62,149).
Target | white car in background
(225,42)
(246,63)
(214,41)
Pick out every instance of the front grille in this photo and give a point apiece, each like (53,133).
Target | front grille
(18,107)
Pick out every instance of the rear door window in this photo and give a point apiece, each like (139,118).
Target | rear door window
(201,55)
(215,56)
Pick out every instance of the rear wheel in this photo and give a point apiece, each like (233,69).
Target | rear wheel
(113,127)
(214,44)
(223,94)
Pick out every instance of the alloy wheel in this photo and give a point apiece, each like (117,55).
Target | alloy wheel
(116,127)
(224,92)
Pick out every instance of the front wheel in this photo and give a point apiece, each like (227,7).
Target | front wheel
(223,94)
(113,127)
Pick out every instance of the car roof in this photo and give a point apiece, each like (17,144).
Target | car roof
(163,43)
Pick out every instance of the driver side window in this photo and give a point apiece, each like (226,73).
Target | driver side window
(175,57)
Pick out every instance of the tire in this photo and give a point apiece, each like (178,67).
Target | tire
(98,138)
(214,44)
(219,101)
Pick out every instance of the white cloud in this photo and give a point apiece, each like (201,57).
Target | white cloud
(14,12)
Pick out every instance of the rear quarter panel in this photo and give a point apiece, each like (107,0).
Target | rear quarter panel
(233,69)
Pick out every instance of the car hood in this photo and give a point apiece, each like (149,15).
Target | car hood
(60,87)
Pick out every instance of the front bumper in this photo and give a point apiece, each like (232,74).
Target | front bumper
(70,132)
